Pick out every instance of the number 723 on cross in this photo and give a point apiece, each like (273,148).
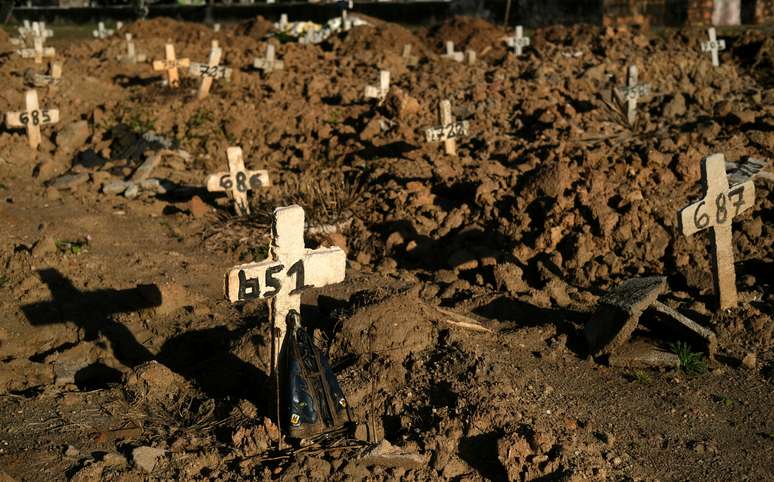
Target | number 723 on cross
(717,208)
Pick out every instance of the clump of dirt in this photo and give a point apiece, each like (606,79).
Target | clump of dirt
(466,33)
(257,28)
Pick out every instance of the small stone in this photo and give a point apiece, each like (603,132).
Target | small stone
(198,208)
(508,276)
(70,181)
(72,452)
(46,245)
(115,187)
(112,459)
(750,360)
(145,457)
(72,136)
(132,191)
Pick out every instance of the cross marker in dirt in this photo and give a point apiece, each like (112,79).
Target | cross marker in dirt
(451,54)
(102,32)
(238,180)
(407,57)
(216,27)
(290,269)
(282,25)
(714,46)
(449,130)
(380,92)
(632,93)
(346,24)
(38,52)
(210,71)
(39,30)
(32,118)
(470,57)
(269,63)
(171,64)
(132,56)
(518,41)
(716,211)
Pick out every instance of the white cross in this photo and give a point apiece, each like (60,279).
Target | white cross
(132,56)
(282,25)
(716,211)
(209,71)
(238,180)
(32,118)
(381,91)
(40,30)
(451,54)
(470,56)
(216,27)
(449,130)
(407,57)
(119,25)
(518,41)
(38,52)
(170,64)
(345,22)
(102,32)
(290,269)
(714,45)
(632,93)
(269,63)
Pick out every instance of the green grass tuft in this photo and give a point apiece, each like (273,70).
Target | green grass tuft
(691,362)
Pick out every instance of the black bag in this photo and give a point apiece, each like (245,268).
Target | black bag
(312,402)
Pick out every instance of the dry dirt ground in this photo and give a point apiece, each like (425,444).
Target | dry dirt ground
(120,359)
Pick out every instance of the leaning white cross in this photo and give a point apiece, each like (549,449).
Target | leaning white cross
(38,52)
(290,269)
(714,45)
(449,130)
(238,180)
(716,211)
(632,92)
(451,54)
(171,64)
(32,118)
(131,56)
(209,71)
(102,32)
(282,25)
(518,41)
(380,92)
(269,63)
(407,57)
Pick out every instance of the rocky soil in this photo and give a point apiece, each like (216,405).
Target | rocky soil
(458,335)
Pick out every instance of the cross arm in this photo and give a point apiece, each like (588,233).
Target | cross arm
(221,181)
(717,209)
(22,119)
(451,131)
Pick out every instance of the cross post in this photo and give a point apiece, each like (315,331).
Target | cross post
(269,62)
(238,180)
(632,93)
(380,92)
(38,52)
(714,46)
(32,118)
(451,54)
(449,130)
(171,64)
(407,57)
(210,71)
(518,41)
(716,211)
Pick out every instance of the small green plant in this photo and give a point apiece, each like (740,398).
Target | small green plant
(335,118)
(691,362)
(728,402)
(139,123)
(4,280)
(73,247)
(641,377)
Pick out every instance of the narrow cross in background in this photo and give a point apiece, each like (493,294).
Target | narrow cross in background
(171,64)
(238,180)
(714,46)
(449,130)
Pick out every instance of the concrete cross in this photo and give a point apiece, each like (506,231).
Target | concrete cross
(381,91)
(216,27)
(39,30)
(53,76)
(451,54)
(132,56)
(171,64)
(448,131)
(238,180)
(632,92)
(346,24)
(209,71)
(518,41)
(470,57)
(282,25)
(269,63)
(102,32)
(32,118)
(716,211)
(407,57)
(38,52)
(714,46)
(290,269)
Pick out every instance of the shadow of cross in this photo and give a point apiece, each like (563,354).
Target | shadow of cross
(91,311)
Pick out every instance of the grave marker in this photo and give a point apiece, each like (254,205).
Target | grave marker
(238,180)
(269,63)
(119,26)
(632,92)
(282,25)
(171,64)
(470,57)
(716,211)
(449,130)
(290,269)
(32,118)
(132,56)
(381,91)
(346,24)
(216,27)
(210,71)
(518,41)
(451,54)
(38,52)
(714,46)
(407,57)
(102,32)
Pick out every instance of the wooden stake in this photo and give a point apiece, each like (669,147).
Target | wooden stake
(449,130)
(713,46)
(269,63)
(32,118)
(209,72)
(381,91)
(171,64)
(238,180)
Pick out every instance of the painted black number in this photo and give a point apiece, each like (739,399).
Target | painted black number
(738,194)
(298,270)
(248,289)
(700,221)
(240,182)
(721,213)
(271,281)
(225,182)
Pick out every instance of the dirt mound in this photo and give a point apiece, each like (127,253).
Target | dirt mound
(174,31)
(466,33)
(257,28)
(381,37)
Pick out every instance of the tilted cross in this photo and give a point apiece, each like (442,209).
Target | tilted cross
(632,92)
(132,56)
(407,57)
(381,91)
(171,64)
(449,130)
(38,52)
(717,211)
(238,180)
(269,62)
(451,54)
(714,45)
(518,41)
(32,118)
(102,32)
(209,71)
(290,269)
